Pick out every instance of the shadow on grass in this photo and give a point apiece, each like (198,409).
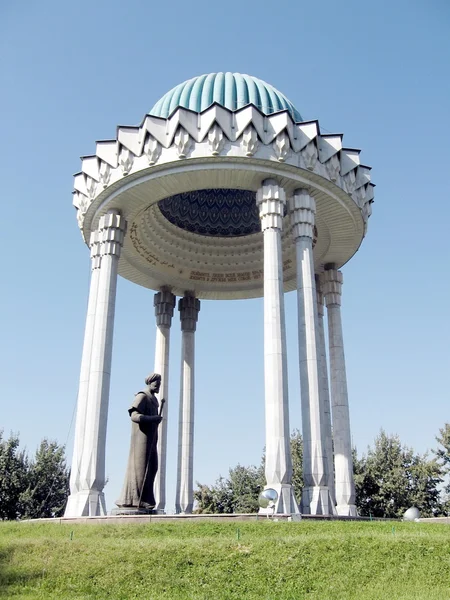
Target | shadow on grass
(12,575)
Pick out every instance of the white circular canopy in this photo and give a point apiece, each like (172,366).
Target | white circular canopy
(186,186)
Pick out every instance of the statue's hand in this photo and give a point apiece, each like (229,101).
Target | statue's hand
(156,419)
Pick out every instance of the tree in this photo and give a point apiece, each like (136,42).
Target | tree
(239,492)
(246,483)
(443,456)
(32,489)
(297,463)
(392,478)
(13,477)
(216,499)
(48,482)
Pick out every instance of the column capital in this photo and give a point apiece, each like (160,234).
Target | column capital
(96,250)
(302,207)
(332,281)
(189,307)
(112,227)
(319,293)
(271,201)
(164,303)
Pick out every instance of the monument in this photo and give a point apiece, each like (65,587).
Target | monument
(137,491)
(225,192)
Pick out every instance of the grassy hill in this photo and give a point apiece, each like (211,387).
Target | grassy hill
(261,560)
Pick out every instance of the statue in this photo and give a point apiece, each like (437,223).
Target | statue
(137,492)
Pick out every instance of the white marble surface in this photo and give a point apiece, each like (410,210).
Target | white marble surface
(184,499)
(87,498)
(316,497)
(345,488)
(271,202)
(220,149)
(73,509)
(164,303)
(325,393)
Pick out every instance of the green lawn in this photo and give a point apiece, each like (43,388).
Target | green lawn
(212,561)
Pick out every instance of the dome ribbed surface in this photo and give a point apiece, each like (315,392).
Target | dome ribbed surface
(231,90)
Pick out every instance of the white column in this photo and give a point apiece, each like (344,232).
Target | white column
(343,462)
(271,201)
(325,391)
(315,497)
(83,387)
(89,498)
(164,303)
(189,308)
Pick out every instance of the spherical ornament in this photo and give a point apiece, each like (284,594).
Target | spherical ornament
(412,514)
(268,498)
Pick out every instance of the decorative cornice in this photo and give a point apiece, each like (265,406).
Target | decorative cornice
(302,209)
(220,132)
(332,281)
(95,246)
(271,202)
(216,140)
(189,307)
(112,227)
(164,303)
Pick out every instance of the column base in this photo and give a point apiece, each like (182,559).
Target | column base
(286,503)
(346,510)
(180,511)
(316,500)
(89,503)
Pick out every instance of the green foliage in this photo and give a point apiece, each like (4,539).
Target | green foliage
(185,561)
(239,493)
(388,480)
(48,482)
(217,499)
(297,463)
(392,478)
(32,489)
(13,477)
(246,484)
(443,456)
(443,453)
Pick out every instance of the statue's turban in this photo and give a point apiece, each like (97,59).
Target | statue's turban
(151,378)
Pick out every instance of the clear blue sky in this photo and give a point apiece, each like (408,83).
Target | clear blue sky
(378,72)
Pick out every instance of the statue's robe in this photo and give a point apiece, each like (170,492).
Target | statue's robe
(139,477)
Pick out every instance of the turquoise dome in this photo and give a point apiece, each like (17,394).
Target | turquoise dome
(231,90)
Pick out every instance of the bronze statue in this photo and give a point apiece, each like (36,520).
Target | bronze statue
(137,491)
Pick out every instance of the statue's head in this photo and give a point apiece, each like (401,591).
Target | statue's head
(154,382)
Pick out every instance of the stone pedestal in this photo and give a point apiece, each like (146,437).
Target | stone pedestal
(316,497)
(271,201)
(343,462)
(164,303)
(132,512)
(189,308)
(88,465)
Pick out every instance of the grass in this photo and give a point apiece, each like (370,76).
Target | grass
(261,560)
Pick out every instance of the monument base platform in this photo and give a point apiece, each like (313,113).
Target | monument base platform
(161,518)
(130,511)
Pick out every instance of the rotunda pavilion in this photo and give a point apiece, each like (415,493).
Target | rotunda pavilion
(224,192)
